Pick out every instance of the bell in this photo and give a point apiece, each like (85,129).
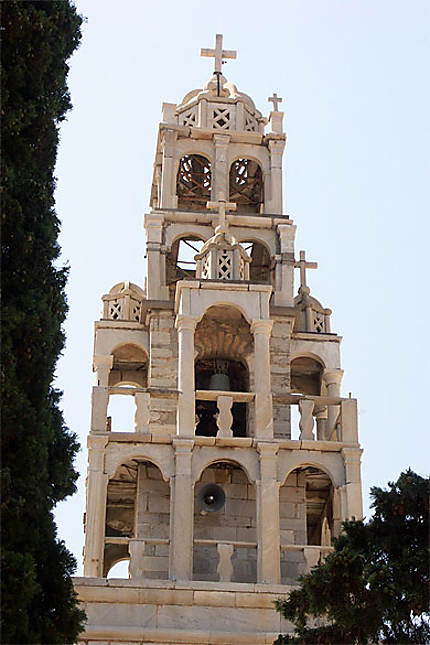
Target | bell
(220,380)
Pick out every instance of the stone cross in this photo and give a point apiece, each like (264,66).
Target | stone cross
(303,265)
(221,206)
(218,53)
(275,99)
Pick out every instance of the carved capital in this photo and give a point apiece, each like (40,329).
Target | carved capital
(185,323)
(263,327)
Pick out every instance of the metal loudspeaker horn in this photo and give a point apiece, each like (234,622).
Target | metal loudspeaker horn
(211,498)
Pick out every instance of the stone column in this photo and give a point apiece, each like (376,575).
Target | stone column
(268,529)
(181,512)
(220,170)
(168,176)
(263,390)
(102,365)
(276,148)
(97,482)
(352,461)
(186,401)
(100,393)
(332,379)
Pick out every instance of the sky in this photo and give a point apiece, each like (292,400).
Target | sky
(354,80)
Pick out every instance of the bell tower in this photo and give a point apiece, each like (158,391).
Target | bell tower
(243,458)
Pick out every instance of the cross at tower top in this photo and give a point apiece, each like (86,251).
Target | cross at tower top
(303,265)
(218,53)
(275,99)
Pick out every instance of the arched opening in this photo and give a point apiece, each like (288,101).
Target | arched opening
(222,341)
(246,186)
(194,183)
(180,262)
(306,517)
(260,269)
(306,375)
(119,569)
(130,365)
(138,507)
(230,518)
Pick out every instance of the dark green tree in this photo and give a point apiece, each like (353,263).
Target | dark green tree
(38,601)
(374,586)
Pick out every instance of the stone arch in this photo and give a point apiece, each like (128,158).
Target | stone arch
(130,364)
(232,520)
(246,185)
(221,302)
(114,556)
(204,459)
(160,456)
(306,374)
(193,182)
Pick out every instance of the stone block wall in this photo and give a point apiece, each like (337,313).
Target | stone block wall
(163,368)
(292,515)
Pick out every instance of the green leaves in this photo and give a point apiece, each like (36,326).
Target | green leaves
(38,450)
(374,587)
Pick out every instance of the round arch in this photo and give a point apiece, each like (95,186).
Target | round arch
(202,460)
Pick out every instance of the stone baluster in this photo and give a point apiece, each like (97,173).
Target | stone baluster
(225,417)
(312,556)
(142,415)
(181,512)
(225,566)
(306,423)
(186,401)
(320,414)
(263,396)
(332,379)
(268,524)
(97,481)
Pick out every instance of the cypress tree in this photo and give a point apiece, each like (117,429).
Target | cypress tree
(38,601)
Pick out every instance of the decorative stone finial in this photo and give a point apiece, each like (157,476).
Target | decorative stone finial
(218,53)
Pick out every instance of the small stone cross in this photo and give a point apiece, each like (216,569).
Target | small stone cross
(221,206)
(303,265)
(275,99)
(218,53)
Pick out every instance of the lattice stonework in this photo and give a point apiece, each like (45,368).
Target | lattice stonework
(221,118)
(115,310)
(189,118)
(194,182)
(318,319)
(241,269)
(225,265)
(246,185)
(250,123)
(135,310)
(206,268)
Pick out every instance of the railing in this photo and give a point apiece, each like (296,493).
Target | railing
(224,401)
(225,549)
(313,555)
(335,417)
(321,418)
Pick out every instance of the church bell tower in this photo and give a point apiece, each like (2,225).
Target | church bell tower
(243,459)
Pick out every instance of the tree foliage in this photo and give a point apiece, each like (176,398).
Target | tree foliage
(38,601)
(374,586)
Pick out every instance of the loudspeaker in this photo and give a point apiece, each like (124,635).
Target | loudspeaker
(211,498)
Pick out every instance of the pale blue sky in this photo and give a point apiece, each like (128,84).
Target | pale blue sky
(355,81)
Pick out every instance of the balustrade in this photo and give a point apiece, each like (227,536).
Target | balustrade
(312,554)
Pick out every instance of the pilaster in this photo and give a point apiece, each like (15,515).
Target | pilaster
(96,507)
(263,397)
(220,169)
(181,512)
(268,527)
(186,326)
